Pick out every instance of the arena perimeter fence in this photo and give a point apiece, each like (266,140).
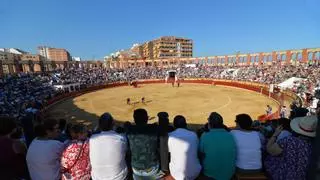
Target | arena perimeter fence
(280,97)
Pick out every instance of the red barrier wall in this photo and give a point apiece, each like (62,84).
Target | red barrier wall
(256,87)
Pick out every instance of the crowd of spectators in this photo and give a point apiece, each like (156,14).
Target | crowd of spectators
(30,91)
(37,146)
(281,148)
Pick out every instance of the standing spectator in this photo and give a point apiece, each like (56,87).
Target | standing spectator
(269,110)
(143,143)
(44,153)
(248,145)
(108,152)
(289,158)
(75,162)
(12,152)
(183,148)
(217,144)
(283,112)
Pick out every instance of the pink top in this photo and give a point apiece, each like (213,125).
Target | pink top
(73,164)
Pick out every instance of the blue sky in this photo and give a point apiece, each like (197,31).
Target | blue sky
(93,29)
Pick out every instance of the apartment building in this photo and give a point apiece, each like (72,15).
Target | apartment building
(171,47)
(54,54)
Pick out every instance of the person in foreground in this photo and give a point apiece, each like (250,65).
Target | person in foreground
(183,149)
(108,151)
(217,150)
(75,162)
(143,143)
(289,157)
(44,153)
(12,152)
(248,144)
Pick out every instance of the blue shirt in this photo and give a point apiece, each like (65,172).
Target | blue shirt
(219,149)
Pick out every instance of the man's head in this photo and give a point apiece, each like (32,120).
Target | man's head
(105,122)
(179,122)
(140,116)
(215,120)
(78,131)
(49,129)
(163,118)
(244,121)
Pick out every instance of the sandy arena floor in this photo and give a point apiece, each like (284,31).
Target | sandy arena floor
(194,101)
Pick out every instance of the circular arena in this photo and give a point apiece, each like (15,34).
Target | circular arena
(195,100)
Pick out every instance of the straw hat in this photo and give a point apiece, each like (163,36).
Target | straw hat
(306,125)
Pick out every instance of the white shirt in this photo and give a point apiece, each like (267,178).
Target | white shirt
(43,159)
(183,148)
(248,149)
(107,156)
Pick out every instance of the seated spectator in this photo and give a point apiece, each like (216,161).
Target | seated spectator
(143,143)
(248,145)
(286,130)
(217,150)
(108,152)
(183,148)
(44,153)
(12,152)
(63,126)
(289,157)
(75,162)
(164,129)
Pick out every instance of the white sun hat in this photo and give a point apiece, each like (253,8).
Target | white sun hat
(306,125)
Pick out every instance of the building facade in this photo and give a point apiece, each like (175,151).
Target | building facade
(172,47)
(36,63)
(54,54)
(161,48)
(167,47)
(277,58)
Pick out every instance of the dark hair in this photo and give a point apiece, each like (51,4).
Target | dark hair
(244,121)
(298,112)
(163,115)
(140,116)
(105,122)
(7,125)
(62,124)
(163,119)
(78,128)
(49,124)
(40,131)
(215,120)
(163,122)
(285,122)
(68,129)
(179,122)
